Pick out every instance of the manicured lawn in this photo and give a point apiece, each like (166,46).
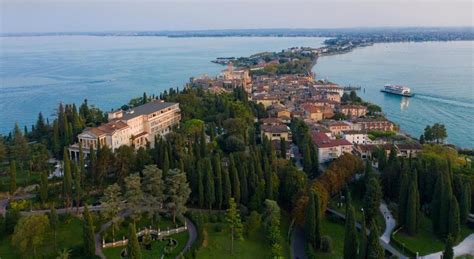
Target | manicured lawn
(156,251)
(218,245)
(336,232)
(358,204)
(22,179)
(69,236)
(426,242)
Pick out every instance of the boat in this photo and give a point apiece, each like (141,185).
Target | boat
(398,90)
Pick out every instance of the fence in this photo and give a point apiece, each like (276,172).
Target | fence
(155,232)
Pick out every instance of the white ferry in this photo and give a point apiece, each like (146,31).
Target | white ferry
(398,90)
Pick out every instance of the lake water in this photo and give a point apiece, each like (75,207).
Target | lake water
(441,74)
(36,73)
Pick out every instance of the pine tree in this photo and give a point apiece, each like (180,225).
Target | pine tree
(453,219)
(234,222)
(216,168)
(88,233)
(12,173)
(448,252)
(350,235)
(133,247)
(176,193)
(374,249)
(209,184)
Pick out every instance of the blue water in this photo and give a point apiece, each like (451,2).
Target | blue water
(440,73)
(37,73)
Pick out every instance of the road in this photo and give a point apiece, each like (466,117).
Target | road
(390,222)
(466,247)
(192,235)
(298,241)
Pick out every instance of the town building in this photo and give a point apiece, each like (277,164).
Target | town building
(136,127)
(353,110)
(330,148)
(276,132)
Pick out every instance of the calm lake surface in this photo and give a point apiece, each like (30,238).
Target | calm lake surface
(36,73)
(441,74)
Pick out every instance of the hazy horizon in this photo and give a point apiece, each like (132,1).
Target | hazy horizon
(46,16)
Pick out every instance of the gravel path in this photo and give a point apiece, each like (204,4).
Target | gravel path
(390,222)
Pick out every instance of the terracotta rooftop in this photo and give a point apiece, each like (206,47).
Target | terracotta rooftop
(323,141)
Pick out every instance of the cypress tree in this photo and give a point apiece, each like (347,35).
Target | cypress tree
(350,235)
(226,188)
(209,188)
(283,148)
(374,249)
(202,142)
(200,184)
(307,166)
(363,240)
(166,162)
(268,179)
(310,222)
(216,168)
(235,180)
(402,197)
(446,194)
(12,173)
(436,203)
(67,177)
(44,187)
(411,210)
(453,219)
(244,194)
(88,233)
(144,98)
(53,222)
(465,203)
(134,251)
(317,206)
(448,252)
(372,198)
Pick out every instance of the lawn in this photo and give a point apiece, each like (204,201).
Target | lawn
(69,236)
(156,251)
(358,204)
(22,179)
(336,231)
(426,242)
(217,242)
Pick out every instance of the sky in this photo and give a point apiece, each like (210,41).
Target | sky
(139,15)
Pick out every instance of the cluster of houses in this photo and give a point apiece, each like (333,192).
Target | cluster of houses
(316,102)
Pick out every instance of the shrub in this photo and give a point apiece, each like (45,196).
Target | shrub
(326,244)
(218,227)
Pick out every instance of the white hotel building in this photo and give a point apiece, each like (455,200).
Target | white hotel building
(137,126)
